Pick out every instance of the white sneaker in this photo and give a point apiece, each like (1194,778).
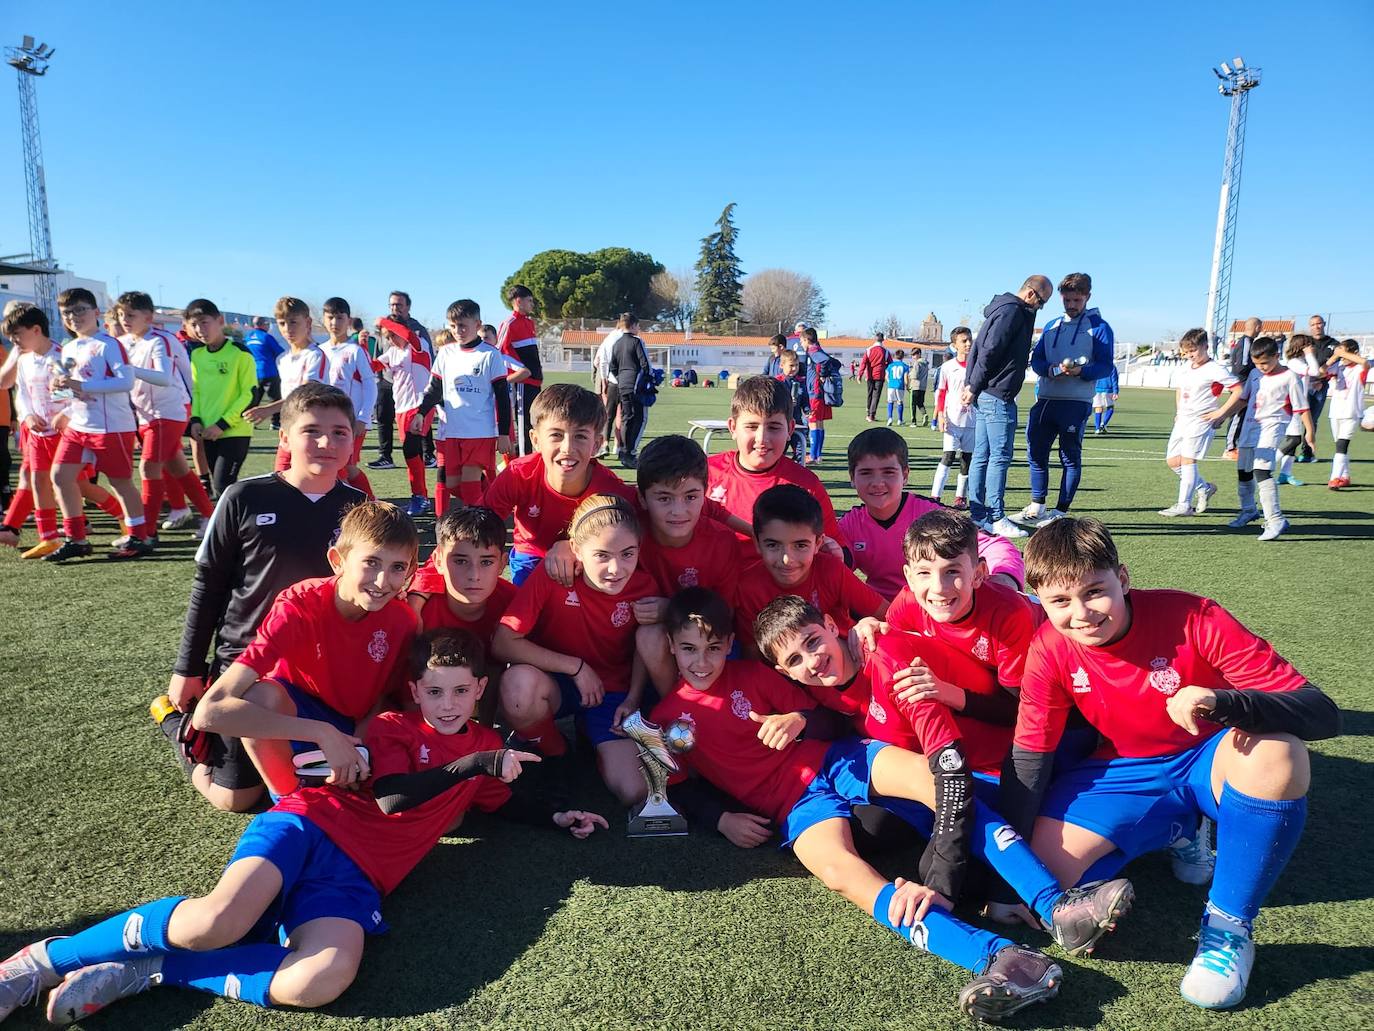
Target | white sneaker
(1004,527)
(1194,859)
(1030,513)
(1174,511)
(24,975)
(1051,514)
(90,989)
(1204,494)
(178,519)
(1244,519)
(1273,530)
(889,422)
(1220,971)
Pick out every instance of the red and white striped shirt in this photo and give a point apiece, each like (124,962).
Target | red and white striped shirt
(101,368)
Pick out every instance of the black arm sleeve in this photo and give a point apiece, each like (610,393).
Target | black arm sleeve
(529,357)
(434,393)
(210,590)
(701,802)
(397,792)
(501,394)
(998,708)
(824,724)
(945,859)
(1307,713)
(530,808)
(1025,776)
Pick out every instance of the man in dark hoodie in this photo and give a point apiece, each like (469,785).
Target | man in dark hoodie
(996,372)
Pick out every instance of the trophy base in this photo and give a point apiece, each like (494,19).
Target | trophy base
(641,826)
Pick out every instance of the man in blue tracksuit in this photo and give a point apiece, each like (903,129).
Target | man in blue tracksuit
(1075,351)
(996,370)
(265,349)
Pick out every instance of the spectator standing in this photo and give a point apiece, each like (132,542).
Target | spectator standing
(265,349)
(772,368)
(1240,365)
(606,382)
(1325,347)
(920,376)
(629,366)
(996,373)
(873,371)
(398,304)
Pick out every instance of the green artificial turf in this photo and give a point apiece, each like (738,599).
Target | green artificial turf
(515,928)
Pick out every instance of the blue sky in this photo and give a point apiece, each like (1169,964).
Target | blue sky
(910,157)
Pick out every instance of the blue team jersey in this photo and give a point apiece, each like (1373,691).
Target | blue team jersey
(896,375)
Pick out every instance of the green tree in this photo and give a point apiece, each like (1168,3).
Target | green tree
(569,284)
(718,273)
(632,273)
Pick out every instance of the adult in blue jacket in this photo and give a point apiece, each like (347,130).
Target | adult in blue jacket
(996,372)
(265,349)
(1073,353)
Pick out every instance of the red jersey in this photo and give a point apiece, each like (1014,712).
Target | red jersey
(728,752)
(928,726)
(831,586)
(386,848)
(517,331)
(996,632)
(436,613)
(737,488)
(710,559)
(1175,640)
(582,621)
(347,665)
(541,513)
(851,699)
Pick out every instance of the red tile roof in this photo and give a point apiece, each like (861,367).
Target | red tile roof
(1267,326)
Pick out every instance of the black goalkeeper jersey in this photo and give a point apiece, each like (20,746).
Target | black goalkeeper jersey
(264,536)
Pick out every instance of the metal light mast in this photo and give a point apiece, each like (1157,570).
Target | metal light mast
(32,61)
(1236,83)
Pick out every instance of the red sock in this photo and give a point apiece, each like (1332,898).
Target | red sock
(46,520)
(152,499)
(140,529)
(195,493)
(109,504)
(470,492)
(360,482)
(415,469)
(20,507)
(545,734)
(440,499)
(74,529)
(171,489)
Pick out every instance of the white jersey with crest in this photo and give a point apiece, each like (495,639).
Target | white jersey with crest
(102,370)
(949,394)
(1346,397)
(1199,387)
(1270,400)
(470,376)
(33,388)
(1305,367)
(304,366)
(160,389)
(348,367)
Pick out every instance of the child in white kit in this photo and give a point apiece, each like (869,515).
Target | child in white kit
(1272,394)
(1348,373)
(1199,385)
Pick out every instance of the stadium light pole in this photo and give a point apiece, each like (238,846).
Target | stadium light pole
(1236,83)
(31,62)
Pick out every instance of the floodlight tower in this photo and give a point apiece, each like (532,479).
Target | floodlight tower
(32,61)
(1236,83)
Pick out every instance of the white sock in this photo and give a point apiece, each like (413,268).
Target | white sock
(1246,490)
(1177,470)
(1340,465)
(1187,484)
(1269,500)
(961,491)
(1286,465)
(937,485)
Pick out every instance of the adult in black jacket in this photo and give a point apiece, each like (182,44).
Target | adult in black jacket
(629,362)
(1241,365)
(1316,388)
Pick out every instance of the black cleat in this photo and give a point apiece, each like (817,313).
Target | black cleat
(1084,914)
(381,463)
(70,549)
(134,547)
(1017,977)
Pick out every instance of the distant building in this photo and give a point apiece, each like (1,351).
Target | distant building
(21,287)
(1268,328)
(932,330)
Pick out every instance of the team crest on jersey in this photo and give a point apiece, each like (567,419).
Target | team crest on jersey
(532,511)
(816,598)
(378,646)
(688,577)
(1163,679)
(622,615)
(424,753)
(1080,681)
(717,493)
(572,599)
(877,711)
(740,705)
(982,651)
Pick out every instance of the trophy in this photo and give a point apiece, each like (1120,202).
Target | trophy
(65,393)
(656,818)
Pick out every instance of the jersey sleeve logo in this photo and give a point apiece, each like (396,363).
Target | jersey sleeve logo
(1080,681)
(266,518)
(717,493)
(1162,678)
(740,705)
(572,599)
(424,754)
(622,614)
(689,577)
(532,512)
(875,710)
(378,647)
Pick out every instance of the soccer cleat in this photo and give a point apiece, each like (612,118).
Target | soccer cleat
(889,422)
(134,547)
(1004,527)
(418,506)
(1174,511)
(649,736)
(1017,977)
(1203,496)
(1030,513)
(430,462)
(43,548)
(24,975)
(381,463)
(70,549)
(181,519)
(1084,914)
(1220,971)
(160,708)
(1193,859)
(89,990)
(9,536)
(1290,480)
(1272,531)
(1244,519)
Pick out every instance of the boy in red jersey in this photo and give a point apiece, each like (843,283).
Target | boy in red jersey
(542,490)
(879,466)
(750,729)
(348,367)
(312,871)
(761,426)
(410,375)
(788,525)
(518,338)
(464,589)
(301,362)
(1200,717)
(326,657)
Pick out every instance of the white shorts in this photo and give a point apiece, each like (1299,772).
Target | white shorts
(1263,435)
(1294,427)
(1103,401)
(1187,442)
(959,439)
(1249,459)
(1343,429)
(1367,420)
(896,395)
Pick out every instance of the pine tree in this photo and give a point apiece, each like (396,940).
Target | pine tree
(718,274)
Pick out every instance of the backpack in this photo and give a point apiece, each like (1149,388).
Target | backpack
(828,371)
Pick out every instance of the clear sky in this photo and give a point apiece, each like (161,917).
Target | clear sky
(911,157)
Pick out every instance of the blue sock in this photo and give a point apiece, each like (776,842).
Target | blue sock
(1107,417)
(889,411)
(820,442)
(814,449)
(901,417)
(138,932)
(1255,838)
(242,972)
(1097,419)
(943,935)
(998,845)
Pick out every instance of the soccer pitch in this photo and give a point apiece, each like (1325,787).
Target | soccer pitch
(517,928)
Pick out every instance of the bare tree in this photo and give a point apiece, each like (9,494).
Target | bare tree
(889,326)
(781,296)
(673,297)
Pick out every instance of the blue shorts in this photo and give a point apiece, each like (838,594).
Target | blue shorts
(845,780)
(308,707)
(522,564)
(317,878)
(1139,805)
(594,722)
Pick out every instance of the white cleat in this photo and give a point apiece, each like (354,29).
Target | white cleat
(1273,530)
(179,520)
(1174,511)
(1220,971)
(1004,527)
(89,990)
(1203,496)
(1194,859)
(1244,519)
(24,975)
